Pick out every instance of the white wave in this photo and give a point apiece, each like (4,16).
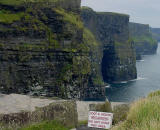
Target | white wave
(140,60)
(108,86)
(139,78)
(123,82)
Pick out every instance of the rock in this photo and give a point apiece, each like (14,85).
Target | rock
(112,31)
(45,50)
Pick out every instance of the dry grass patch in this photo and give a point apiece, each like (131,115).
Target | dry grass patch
(144,114)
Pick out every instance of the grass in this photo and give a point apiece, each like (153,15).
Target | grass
(144,114)
(82,123)
(46,125)
(70,17)
(8,17)
(124,50)
(11,2)
(120,113)
(20,2)
(144,39)
(89,38)
(153,94)
(113,14)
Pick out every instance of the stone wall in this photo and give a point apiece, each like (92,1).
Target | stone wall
(62,111)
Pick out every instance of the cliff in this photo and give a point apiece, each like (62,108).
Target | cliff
(144,43)
(112,31)
(156,33)
(45,50)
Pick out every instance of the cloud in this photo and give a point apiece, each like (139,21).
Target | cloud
(140,11)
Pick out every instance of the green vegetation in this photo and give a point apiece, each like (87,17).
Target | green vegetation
(143,114)
(70,17)
(153,94)
(113,14)
(97,80)
(24,47)
(86,8)
(95,51)
(128,53)
(20,2)
(147,39)
(89,38)
(8,17)
(81,65)
(82,123)
(46,125)
(11,2)
(120,113)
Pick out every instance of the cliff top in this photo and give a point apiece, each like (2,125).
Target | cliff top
(73,5)
(139,24)
(137,29)
(141,33)
(19,2)
(112,13)
(85,8)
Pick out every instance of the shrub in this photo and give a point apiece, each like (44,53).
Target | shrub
(153,94)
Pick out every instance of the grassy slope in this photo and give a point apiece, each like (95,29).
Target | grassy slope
(9,17)
(47,125)
(143,115)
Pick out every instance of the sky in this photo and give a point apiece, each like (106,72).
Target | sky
(140,11)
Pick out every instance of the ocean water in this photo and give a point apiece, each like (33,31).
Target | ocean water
(148,80)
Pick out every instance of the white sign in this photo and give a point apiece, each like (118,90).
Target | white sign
(100,119)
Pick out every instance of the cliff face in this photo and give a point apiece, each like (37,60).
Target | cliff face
(112,31)
(45,50)
(143,40)
(156,33)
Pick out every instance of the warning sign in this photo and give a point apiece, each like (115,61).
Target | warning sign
(100,120)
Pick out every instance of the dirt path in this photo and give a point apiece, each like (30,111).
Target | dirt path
(15,103)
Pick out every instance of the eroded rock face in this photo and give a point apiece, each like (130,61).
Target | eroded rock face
(144,42)
(44,50)
(112,31)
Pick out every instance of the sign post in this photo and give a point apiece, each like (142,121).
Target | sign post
(100,119)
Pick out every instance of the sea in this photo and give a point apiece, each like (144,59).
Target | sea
(148,72)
